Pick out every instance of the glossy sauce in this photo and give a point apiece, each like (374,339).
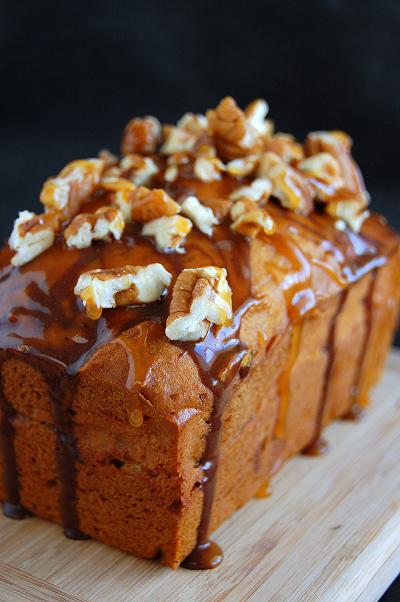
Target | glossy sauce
(318,445)
(43,323)
(359,398)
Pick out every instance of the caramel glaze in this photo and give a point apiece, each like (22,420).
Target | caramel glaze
(43,323)
(318,445)
(359,399)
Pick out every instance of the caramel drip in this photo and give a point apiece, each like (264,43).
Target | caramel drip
(62,389)
(12,506)
(219,359)
(318,445)
(359,397)
(264,491)
(284,381)
(295,280)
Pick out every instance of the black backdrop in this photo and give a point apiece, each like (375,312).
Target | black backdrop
(72,73)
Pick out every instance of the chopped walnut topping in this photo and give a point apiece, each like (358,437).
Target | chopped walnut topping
(285,146)
(208,169)
(348,212)
(129,285)
(201,296)
(258,191)
(256,113)
(253,222)
(171,173)
(241,206)
(169,232)
(195,123)
(203,217)
(32,235)
(182,138)
(109,158)
(220,207)
(94,226)
(122,197)
(173,163)
(177,140)
(140,203)
(111,164)
(141,135)
(338,144)
(140,170)
(234,134)
(243,166)
(72,187)
(288,186)
(147,205)
(113,171)
(324,174)
(249,219)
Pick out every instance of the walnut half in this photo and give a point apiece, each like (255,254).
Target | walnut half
(201,296)
(129,285)
(235,134)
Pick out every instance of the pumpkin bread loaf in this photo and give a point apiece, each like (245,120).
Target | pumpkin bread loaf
(179,321)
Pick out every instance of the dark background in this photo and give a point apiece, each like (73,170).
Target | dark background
(72,73)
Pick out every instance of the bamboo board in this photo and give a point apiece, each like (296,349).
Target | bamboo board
(330,531)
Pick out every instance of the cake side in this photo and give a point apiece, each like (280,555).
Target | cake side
(150,417)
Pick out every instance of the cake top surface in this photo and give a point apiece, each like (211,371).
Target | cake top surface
(148,236)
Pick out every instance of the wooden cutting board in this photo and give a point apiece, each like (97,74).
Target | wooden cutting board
(330,531)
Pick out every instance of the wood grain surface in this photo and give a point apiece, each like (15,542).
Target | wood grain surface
(330,531)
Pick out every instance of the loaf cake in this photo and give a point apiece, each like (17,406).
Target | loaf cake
(181,320)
